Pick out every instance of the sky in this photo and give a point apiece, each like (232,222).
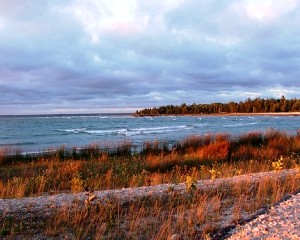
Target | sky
(105,56)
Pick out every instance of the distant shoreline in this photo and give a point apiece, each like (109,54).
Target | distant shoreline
(158,115)
(223,114)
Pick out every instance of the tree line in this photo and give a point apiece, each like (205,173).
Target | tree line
(257,105)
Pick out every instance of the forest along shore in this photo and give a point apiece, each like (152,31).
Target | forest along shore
(257,105)
(223,114)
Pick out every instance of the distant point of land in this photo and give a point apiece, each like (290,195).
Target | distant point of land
(257,106)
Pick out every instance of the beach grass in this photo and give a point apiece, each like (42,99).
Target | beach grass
(98,168)
(193,215)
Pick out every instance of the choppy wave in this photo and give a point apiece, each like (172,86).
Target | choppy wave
(126,131)
(107,132)
(158,129)
(75,130)
(241,124)
(199,125)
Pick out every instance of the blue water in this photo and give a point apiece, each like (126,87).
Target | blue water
(40,133)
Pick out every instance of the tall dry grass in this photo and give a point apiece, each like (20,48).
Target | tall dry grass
(200,157)
(196,214)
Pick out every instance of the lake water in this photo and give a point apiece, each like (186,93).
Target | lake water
(40,133)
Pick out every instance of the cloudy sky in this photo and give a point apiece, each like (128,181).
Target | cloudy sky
(89,56)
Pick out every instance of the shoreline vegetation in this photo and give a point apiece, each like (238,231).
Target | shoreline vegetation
(257,106)
(190,214)
(223,114)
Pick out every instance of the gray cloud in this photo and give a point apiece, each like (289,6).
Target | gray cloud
(69,56)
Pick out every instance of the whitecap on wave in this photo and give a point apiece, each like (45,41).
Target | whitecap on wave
(241,124)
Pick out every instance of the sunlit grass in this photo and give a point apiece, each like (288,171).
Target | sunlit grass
(194,214)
